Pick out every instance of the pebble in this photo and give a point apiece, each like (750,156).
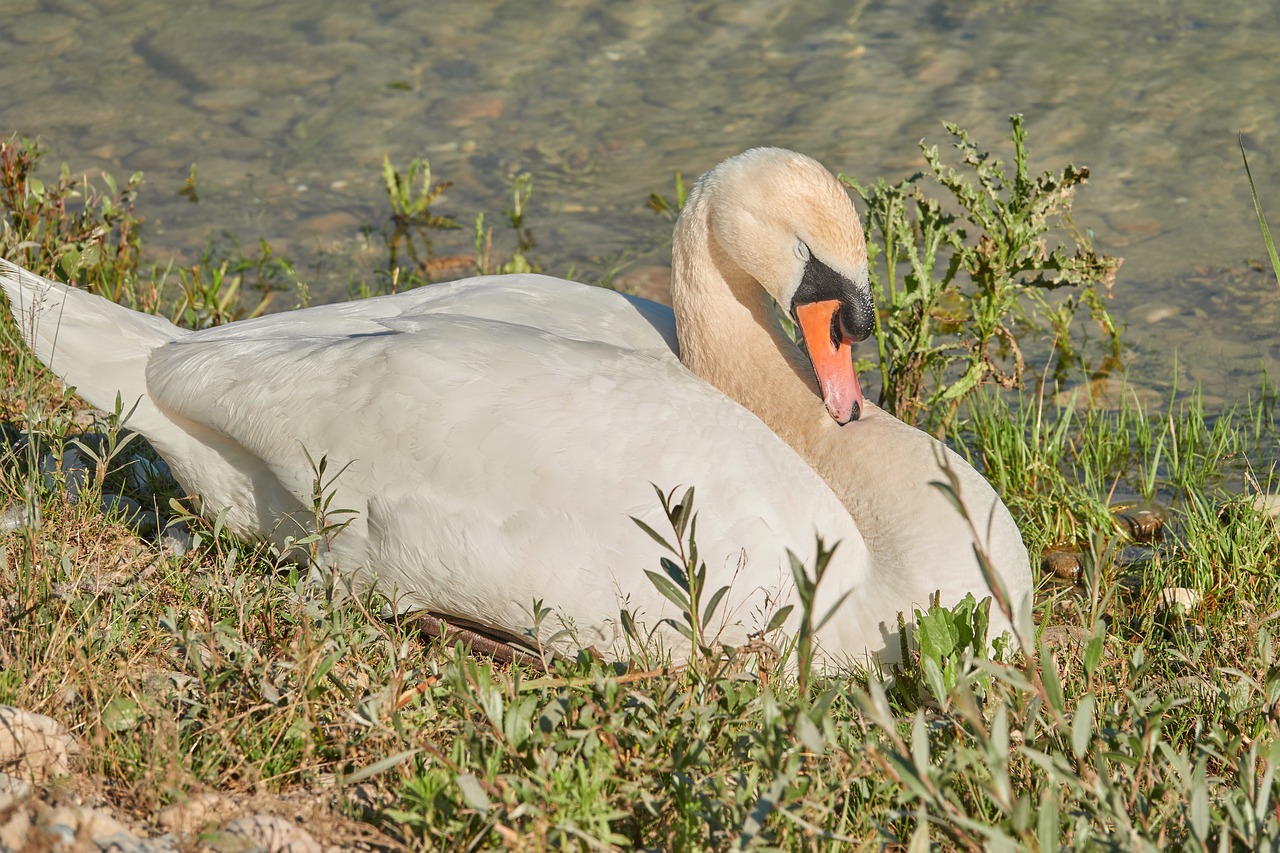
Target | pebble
(196,814)
(13,787)
(1063,564)
(1268,505)
(34,747)
(100,827)
(466,110)
(1179,597)
(272,834)
(1144,523)
(176,538)
(69,470)
(1164,312)
(15,831)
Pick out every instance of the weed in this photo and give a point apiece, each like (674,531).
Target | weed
(953,287)
(71,226)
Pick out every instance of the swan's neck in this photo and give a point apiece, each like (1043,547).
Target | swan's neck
(725,319)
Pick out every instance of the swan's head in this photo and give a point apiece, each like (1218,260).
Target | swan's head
(787,222)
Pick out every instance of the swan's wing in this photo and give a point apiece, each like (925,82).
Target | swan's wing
(564,308)
(492,463)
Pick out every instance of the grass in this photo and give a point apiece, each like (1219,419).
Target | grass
(1131,725)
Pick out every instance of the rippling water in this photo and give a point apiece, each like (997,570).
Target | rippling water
(287,108)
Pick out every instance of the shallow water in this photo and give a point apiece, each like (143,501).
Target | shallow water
(287,108)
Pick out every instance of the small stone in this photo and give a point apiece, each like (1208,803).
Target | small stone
(146,522)
(1268,505)
(15,831)
(69,470)
(148,476)
(1164,312)
(99,826)
(468,110)
(1108,393)
(1063,564)
(176,538)
(33,746)
(196,814)
(1144,523)
(12,786)
(273,834)
(1179,597)
(127,508)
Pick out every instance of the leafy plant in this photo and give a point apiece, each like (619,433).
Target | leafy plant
(683,581)
(70,227)
(955,287)
(410,205)
(521,192)
(667,207)
(411,196)
(947,640)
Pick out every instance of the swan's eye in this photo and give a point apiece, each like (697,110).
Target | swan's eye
(802,251)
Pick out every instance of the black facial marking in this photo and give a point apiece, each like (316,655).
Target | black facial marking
(821,283)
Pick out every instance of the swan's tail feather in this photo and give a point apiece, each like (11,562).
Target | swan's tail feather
(91,343)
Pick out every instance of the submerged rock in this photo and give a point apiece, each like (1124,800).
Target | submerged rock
(1144,523)
(1067,565)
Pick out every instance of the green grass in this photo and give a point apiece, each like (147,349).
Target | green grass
(1130,726)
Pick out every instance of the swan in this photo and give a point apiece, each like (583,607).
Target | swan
(495,437)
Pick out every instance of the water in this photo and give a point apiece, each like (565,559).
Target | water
(287,109)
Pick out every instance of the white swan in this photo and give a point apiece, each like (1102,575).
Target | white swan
(496,435)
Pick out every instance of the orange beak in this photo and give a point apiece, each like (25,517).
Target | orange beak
(832,356)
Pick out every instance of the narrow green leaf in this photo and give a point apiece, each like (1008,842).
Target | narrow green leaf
(1262,220)
(1049,677)
(380,766)
(920,835)
(1047,825)
(933,675)
(920,744)
(473,792)
(807,733)
(669,591)
(1082,726)
(710,609)
(1199,802)
(654,535)
(675,572)
(779,617)
(1093,654)
(832,611)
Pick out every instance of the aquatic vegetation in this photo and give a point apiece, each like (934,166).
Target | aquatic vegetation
(961,279)
(185,665)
